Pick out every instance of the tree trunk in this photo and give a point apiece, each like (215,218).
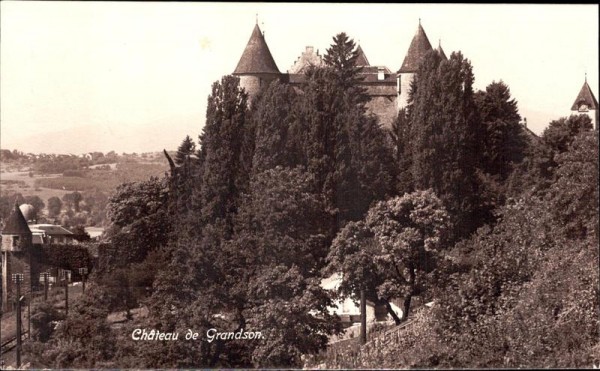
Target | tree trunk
(390,310)
(408,297)
(406,309)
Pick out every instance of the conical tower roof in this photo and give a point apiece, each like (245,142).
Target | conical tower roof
(256,57)
(441,51)
(419,46)
(586,97)
(362,60)
(16,223)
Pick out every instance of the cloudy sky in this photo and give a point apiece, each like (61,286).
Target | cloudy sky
(134,77)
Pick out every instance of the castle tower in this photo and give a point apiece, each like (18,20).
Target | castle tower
(16,257)
(361,60)
(586,104)
(419,46)
(441,51)
(256,68)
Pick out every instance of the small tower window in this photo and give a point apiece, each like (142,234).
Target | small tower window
(15,241)
(399,84)
(583,107)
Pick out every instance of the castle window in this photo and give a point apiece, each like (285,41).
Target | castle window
(15,241)
(583,108)
(399,84)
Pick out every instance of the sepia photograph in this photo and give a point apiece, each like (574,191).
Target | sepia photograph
(216,185)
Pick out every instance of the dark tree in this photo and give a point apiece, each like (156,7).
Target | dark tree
(341,57)
(399,136)
(560,133)
(221,141)
(392,251)
(443,138)
(72,200)
(273,117)
(38,206)
(185,150)
(503,141)
(138,212)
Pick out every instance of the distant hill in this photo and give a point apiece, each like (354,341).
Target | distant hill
(88,138)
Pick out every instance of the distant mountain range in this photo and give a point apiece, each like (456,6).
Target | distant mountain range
(149,138)
(90,138)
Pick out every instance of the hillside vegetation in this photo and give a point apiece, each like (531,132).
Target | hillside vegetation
(459,205)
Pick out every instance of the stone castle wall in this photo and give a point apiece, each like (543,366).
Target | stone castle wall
(404,87)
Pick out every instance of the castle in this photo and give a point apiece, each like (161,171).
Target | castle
(388,90)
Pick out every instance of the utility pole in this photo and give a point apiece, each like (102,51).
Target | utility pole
(363,317)
(67,278)
(83,273)
(18,278)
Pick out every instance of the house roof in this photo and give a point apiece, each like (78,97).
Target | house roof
(362,58)
(256,57)
(16,223)
(419,46)
(52,229)
(585,96)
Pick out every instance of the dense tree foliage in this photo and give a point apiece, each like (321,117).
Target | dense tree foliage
(54,206)
(523,293)
(221,141)
(138,212)
(457,205)
(504,142)
(443,138)
(393,250)
(185,150)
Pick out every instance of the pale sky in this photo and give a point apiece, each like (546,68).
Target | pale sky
(135,77)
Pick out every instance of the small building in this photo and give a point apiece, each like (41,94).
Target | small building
(51,234)
(349,311)
(16,257)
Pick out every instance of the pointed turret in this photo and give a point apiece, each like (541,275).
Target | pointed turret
(256,68)
(586,104)
(16,223)
(362,60)
(257,57)
(16,257)
(585,99)
(419,46)
(441,51)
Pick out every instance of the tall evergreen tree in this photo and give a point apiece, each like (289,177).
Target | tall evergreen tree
(399,136)
(274,143)
(222,142)
(503,142)
(443,137)
(185,150)
(343,146)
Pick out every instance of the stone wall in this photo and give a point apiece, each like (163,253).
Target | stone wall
(254,83)
(404,87)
